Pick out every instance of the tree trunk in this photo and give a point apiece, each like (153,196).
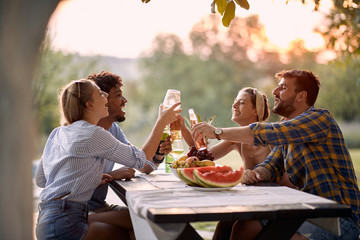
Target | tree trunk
(22,28)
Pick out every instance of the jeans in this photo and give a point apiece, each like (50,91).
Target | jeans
(349,231)
(62,219)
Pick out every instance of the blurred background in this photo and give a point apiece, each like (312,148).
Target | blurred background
(181,45)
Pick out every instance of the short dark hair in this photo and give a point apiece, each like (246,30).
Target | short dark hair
(106,80)
(305,81)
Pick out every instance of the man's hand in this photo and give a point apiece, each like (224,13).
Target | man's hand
(201,130)
(165,147)
(250,177)
(259,174)
(105,179)
(123,173)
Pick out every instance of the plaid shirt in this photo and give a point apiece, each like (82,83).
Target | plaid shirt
(311,148)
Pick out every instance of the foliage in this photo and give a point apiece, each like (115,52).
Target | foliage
(217,69)
(54,70)
(340,91)
(343,32)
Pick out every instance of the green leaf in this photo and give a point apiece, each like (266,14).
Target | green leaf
(229,14)
(221,6)
(243,4)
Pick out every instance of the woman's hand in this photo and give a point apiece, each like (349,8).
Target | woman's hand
(105,179)
(201,130)
(168,115)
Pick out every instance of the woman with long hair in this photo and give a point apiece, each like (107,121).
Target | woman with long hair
(71,167)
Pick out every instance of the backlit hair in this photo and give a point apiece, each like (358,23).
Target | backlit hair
(106,80)
(73,100)
(259,101)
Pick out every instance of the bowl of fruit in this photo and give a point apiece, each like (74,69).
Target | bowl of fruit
(194,158)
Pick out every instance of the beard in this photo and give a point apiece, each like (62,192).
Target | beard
(284,108)
(120,118)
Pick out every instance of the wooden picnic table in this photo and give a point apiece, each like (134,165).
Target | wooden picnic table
(163,199)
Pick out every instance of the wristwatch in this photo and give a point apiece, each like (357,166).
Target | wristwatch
(217,132)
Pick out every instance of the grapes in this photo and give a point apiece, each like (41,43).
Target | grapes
(202,153)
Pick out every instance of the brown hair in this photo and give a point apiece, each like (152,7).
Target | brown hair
(252,93)
(73,100)
(305,81)
(106,80)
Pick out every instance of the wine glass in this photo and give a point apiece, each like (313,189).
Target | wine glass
(173,96)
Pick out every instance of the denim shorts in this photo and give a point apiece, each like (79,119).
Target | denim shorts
(62,219)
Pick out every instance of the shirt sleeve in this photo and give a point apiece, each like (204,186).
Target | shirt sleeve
(310,126)
(103,145)
(40,179)
(274,163)
(118,133)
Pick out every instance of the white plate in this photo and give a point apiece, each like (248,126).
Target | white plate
(205,189)
(174,171)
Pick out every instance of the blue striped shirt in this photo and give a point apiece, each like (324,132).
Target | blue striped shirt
(98,198)
(312,150)
(73,160)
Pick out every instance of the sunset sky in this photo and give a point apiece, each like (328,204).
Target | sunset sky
(125,28)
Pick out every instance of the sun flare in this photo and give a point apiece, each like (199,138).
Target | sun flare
(76,25)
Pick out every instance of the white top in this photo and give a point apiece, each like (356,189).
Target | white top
(74,158)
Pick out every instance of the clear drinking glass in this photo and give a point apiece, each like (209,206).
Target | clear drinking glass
(173,96)
(176,153)
(200,143)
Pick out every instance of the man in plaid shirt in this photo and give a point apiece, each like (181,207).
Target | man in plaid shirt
(308,145)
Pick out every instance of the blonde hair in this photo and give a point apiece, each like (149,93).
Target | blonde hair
(73,100)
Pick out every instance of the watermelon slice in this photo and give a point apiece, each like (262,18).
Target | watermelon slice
(187,176)
(220,177)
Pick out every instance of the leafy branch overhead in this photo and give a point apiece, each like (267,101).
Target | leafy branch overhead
(225,7)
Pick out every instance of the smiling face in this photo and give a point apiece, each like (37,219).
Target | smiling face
(243,110)
(99,102)
(116,104)
(285,96)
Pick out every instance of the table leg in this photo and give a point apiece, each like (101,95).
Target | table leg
(281,229)
(189,233)
(119,194)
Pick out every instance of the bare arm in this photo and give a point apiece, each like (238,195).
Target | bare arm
(164,117)
(234,134)
(165,149)
(221,149)
(186,133)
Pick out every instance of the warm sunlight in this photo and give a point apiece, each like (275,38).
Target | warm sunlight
(126,28)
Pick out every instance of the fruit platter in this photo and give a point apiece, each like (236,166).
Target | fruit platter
(211,176)
(195,158)
(198,171)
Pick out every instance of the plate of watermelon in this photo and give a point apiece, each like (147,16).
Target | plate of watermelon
(216,178)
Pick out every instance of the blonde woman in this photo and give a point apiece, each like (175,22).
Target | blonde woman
(249,106)
(73,161)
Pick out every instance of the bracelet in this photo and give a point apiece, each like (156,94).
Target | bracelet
(158,161)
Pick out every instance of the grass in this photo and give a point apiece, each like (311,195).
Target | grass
(234,161)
